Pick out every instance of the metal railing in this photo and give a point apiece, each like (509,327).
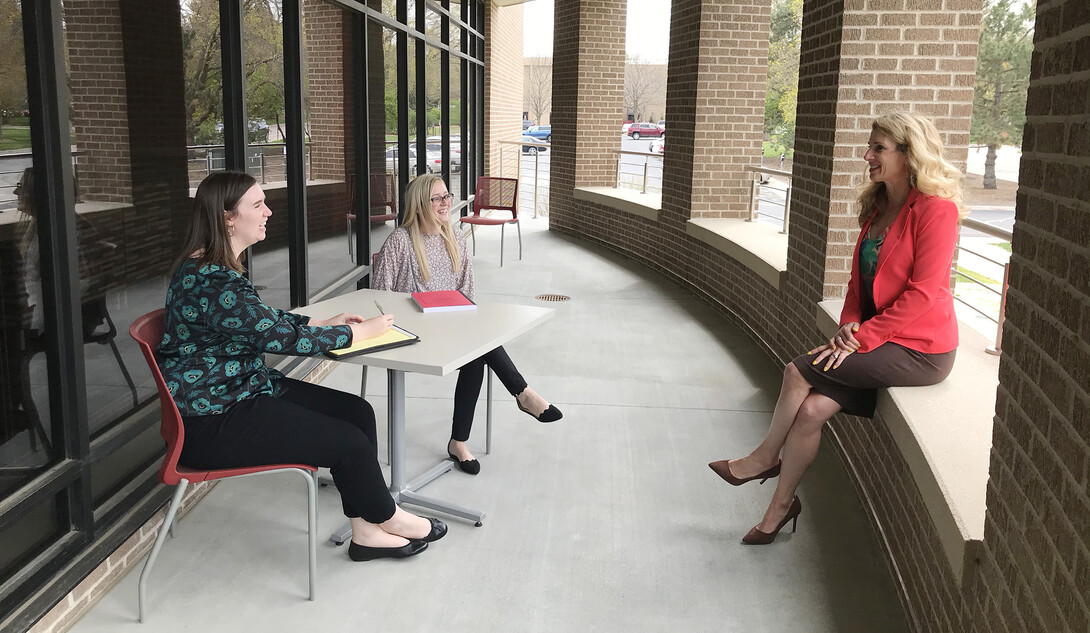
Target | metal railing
(760,180)
(536,150)
(214,159)
(646,166)
(1001,292)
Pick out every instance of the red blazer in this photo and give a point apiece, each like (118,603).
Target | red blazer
(912,283)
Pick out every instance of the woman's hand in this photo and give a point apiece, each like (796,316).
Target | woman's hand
(341,319)
(370,328)
(844,339)
(830,354)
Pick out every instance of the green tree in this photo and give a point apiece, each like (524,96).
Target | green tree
(782,93)
(1002,78)
(13,95)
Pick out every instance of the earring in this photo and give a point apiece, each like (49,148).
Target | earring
(230,231)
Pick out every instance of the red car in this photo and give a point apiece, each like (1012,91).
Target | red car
(644,129)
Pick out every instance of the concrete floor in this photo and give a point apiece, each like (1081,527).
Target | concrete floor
(608,520)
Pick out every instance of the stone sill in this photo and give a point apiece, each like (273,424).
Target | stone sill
(645,205)
(944,433)
(282,185)
(759,247)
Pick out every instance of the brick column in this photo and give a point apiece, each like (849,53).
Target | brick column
(860,59)
(329,78)
(715,104)
(502,88)
(98,91)
(588,102)
(1037,542)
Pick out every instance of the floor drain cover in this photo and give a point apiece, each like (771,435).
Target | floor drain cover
(552,298)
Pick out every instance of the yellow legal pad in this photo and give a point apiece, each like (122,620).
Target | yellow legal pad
(394,337)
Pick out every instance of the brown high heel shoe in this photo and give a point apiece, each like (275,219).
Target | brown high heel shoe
(722,468)
(757,537)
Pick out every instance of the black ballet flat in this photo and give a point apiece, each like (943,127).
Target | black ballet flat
(438,530)
(552,414)
(471,466)
(360,553)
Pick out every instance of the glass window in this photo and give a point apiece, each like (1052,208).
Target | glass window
(382,137)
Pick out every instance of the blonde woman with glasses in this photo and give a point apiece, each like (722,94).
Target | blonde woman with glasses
(426,254)
(897,328)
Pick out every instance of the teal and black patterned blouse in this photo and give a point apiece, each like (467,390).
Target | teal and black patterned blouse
(216,332)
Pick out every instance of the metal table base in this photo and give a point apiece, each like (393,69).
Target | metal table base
(407,492)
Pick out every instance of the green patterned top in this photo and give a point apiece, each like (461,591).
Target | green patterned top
(216,331)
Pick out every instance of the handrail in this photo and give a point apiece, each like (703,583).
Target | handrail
(629,152)
(537,170)
(755,198)
(1006,236)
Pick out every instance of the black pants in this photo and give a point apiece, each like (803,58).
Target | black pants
(306,424)
(468,388)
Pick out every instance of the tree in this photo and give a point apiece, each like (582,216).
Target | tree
(1002,78)
(13,95)
(782,92)
(642,81)
(537,87)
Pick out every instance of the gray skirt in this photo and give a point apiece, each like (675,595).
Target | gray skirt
(854,385)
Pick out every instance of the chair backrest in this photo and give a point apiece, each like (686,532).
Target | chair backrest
(496,193)
(383,192)
(147,331)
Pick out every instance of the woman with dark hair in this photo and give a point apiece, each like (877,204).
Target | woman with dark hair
(898,326)
(425,254)
(236,410)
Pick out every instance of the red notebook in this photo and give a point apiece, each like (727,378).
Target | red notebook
(443,301)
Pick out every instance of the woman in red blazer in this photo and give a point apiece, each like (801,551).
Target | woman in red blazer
(898,326)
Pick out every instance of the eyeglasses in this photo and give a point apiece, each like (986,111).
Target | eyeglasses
(442,199)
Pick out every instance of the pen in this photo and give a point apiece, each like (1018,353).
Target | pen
(380,310)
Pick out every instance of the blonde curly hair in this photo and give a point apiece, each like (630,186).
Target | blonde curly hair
(929,171)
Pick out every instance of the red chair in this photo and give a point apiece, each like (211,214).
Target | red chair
(383,198)
(148,332)
(498,194)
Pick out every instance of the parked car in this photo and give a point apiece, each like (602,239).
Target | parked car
(644,129)
(433,164)
(656,146)
(435,145)
(544,132)
(625,126)
(532,146)
(526,123)
(662,124)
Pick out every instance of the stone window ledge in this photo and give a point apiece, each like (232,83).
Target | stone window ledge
(759,247)
(944,433)
(645,205)
(282,185)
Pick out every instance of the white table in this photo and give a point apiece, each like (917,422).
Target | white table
(448,340)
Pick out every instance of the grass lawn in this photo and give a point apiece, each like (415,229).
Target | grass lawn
(773,150)
(977,276)
(15,138)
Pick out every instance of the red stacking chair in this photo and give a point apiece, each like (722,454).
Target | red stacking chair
(148,332)
(499,194)
(383,199)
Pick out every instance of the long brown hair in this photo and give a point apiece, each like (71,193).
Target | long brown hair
(417,206)
(929,171)
(207,235)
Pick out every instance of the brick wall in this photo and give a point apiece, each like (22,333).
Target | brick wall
(98,94)
(502,88)
(327,33)
(1036,569)
(860,58)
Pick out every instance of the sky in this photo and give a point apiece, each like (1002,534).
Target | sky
(647,34)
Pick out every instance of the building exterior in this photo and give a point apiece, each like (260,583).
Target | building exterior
(78,439)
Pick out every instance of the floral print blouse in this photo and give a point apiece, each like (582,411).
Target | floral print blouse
(396,267)
(215,333)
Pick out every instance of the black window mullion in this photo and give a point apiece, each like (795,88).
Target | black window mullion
(235,125)
(463,114)
(47,96)
(296,152)
(420,60)
(444,91)
(403,111)
(361,144)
